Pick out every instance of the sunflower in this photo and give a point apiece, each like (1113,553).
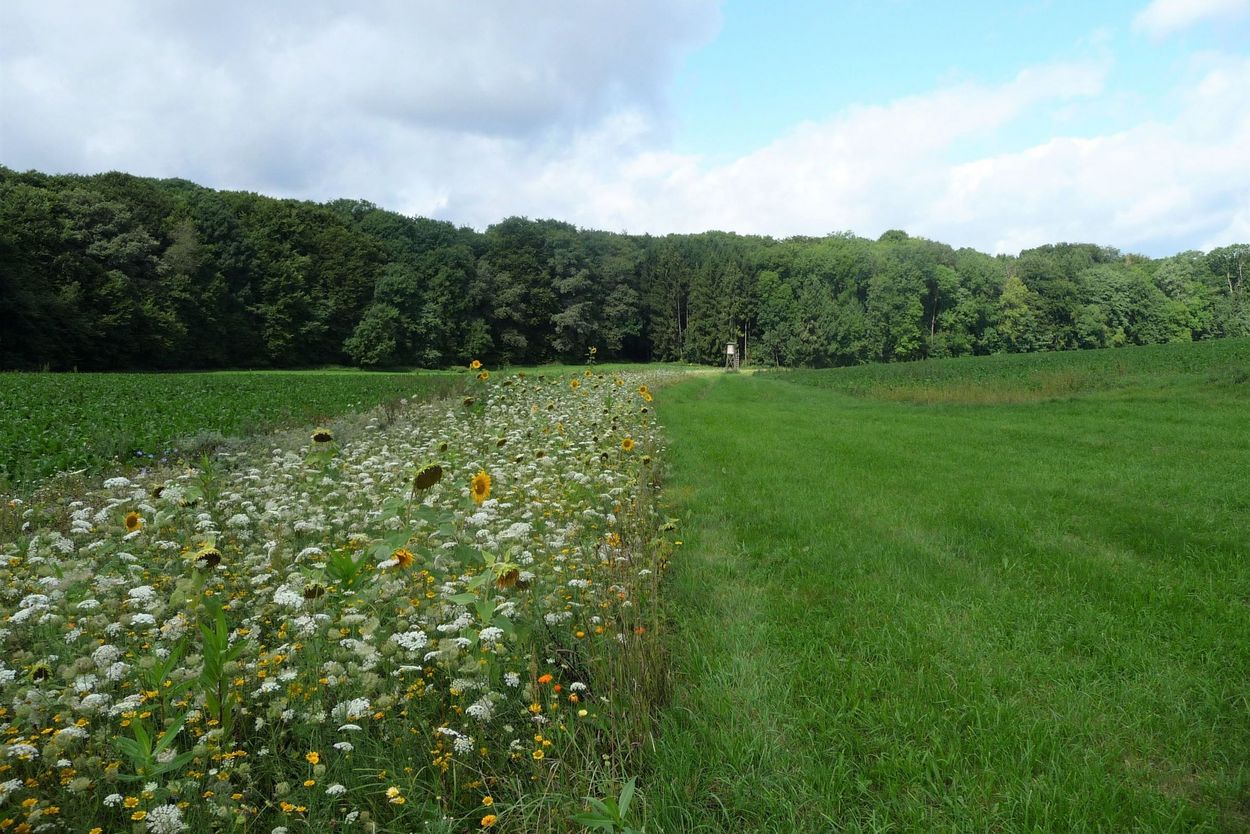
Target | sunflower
(644,390)
(429,475)
(627,445)
(484,375)
(507,578)
(133,522)
(403,557)
(480,486)
(322,435)
(475,365)
(209,556)
(575,383)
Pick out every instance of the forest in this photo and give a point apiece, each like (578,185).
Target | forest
(118,272)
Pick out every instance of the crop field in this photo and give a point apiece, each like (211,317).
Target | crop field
(56,422)
(998,616)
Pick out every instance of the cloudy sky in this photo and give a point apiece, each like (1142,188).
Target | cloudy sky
(979,123)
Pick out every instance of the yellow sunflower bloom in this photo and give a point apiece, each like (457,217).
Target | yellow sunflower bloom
(480,486)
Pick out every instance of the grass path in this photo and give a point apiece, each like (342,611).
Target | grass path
(902,618)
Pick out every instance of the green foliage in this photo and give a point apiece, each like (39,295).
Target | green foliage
(610,814)
(58,422)
(144,753)
(119,272)
(220,698)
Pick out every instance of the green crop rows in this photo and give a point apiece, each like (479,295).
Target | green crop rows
(56,422)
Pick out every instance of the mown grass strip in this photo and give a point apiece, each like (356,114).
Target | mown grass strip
(1011,618)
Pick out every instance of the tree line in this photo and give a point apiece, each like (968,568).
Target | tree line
(115,271)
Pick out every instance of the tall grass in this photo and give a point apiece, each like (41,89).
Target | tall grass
(1037,377)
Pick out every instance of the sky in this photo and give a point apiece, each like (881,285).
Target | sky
(979,123)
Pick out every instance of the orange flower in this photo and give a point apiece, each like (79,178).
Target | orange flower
(489,820)
(545,679)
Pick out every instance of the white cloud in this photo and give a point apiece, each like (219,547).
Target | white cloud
(301,98)
(1162,17)
(1157,187)
(561,111)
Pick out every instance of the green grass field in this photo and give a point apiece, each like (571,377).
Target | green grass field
(1016,378)
(56,422)
(998,617)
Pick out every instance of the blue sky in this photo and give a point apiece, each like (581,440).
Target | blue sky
(989,124)
(766,70)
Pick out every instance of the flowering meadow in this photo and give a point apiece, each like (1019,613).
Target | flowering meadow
(441,619)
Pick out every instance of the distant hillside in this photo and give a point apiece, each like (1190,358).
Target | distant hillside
(121,272)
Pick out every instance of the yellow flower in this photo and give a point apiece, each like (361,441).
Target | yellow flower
(575,383)
(538,755)
(484,375)
(313,758)
(627,445)
(480,487)
(475,365)
(138,815)
(488,801)
(133,522)
(489,820)
(404,557)
(130,801)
